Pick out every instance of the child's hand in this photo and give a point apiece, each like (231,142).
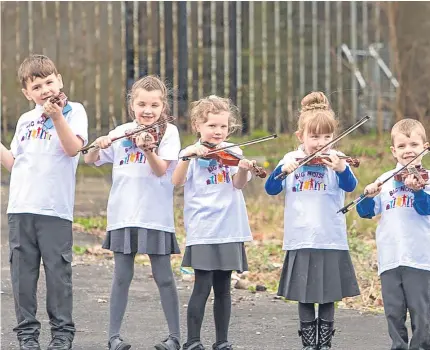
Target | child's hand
(289,166)
(53,110)
(103,142)
(246,164)
(145,141)
(373,189)
(335,163)
(413,183)
(196,150)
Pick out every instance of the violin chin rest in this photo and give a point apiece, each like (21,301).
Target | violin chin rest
(206,163)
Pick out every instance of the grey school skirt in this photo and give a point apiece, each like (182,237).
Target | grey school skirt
(141,240)
(318,276)
(210,257)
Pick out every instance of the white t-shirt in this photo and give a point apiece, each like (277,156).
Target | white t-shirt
(403,235)
(139,198)
(214,210)
(312,198)
(43,175)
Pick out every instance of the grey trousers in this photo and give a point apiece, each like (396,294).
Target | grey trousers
(406,288)
(32,237)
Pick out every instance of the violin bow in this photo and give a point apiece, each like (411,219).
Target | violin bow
(359,199)
(246,143)
(139,129)
(307,159)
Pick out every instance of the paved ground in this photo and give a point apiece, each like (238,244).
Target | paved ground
(259,321)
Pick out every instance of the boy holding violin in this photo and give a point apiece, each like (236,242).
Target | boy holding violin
(403,236)
(43,159)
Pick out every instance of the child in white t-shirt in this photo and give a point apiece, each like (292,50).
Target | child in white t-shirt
(140,207)
(403,239)
(215,217)
(317,267)
(43,159)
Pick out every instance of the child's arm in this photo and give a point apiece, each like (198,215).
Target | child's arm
(7,158)
(179,175)
(422,202)
(370,206)
(273,186)
(93,155)
(240,179)
(70,142)
(347,180)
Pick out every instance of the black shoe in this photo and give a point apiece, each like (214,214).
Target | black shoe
(169,343)
(325,333)
(308,332)
(118,344)
(193,346)
(223,346)
(60,342)
(29,343)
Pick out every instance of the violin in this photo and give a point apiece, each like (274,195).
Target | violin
(60,100)
(354,162)
(229,158)
(156,129)
(418,171)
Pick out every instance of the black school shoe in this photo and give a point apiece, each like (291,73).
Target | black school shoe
(60,342)
(118,344)
(29,343)
(167,345)
(223,346)
(193,346)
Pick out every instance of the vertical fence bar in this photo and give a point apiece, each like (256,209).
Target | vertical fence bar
(353,38)
(17,51)
(124,63)
(339,57)
(290,93)
(277,69)
(57,32)
(213,47)
(239,53)
(44,19)
(302,46)
(365,37)
(190,56)
(314,45)
(175,58)
(251,69)
(72,48)
(149,35)
(200,46)
(327,47)
(112,120)
(182,60)
(376,97)
(264,63)
(97,61)
(136,39)
(162,42)
(226,49)
(30,27)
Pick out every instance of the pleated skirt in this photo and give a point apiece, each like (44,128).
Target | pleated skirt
(318,276)
(210,257)
(141,240)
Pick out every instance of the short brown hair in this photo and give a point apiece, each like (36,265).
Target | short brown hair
(406,127)
(35,66)
(200,109)
(316,115)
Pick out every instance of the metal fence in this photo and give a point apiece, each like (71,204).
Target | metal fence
(264,55)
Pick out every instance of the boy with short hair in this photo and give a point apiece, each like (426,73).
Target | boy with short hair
(403,239)
(43,158)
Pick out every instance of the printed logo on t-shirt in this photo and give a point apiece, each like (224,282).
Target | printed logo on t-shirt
(309,178)
(400,199)
(134,155)
(219,174)
(36,131)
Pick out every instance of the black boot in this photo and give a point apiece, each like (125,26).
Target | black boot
(325,333)
(308,332)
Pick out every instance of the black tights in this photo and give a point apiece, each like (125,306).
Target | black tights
(307,311)
(204,280)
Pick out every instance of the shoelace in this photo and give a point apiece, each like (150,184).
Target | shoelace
(30,341)
(59,340)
